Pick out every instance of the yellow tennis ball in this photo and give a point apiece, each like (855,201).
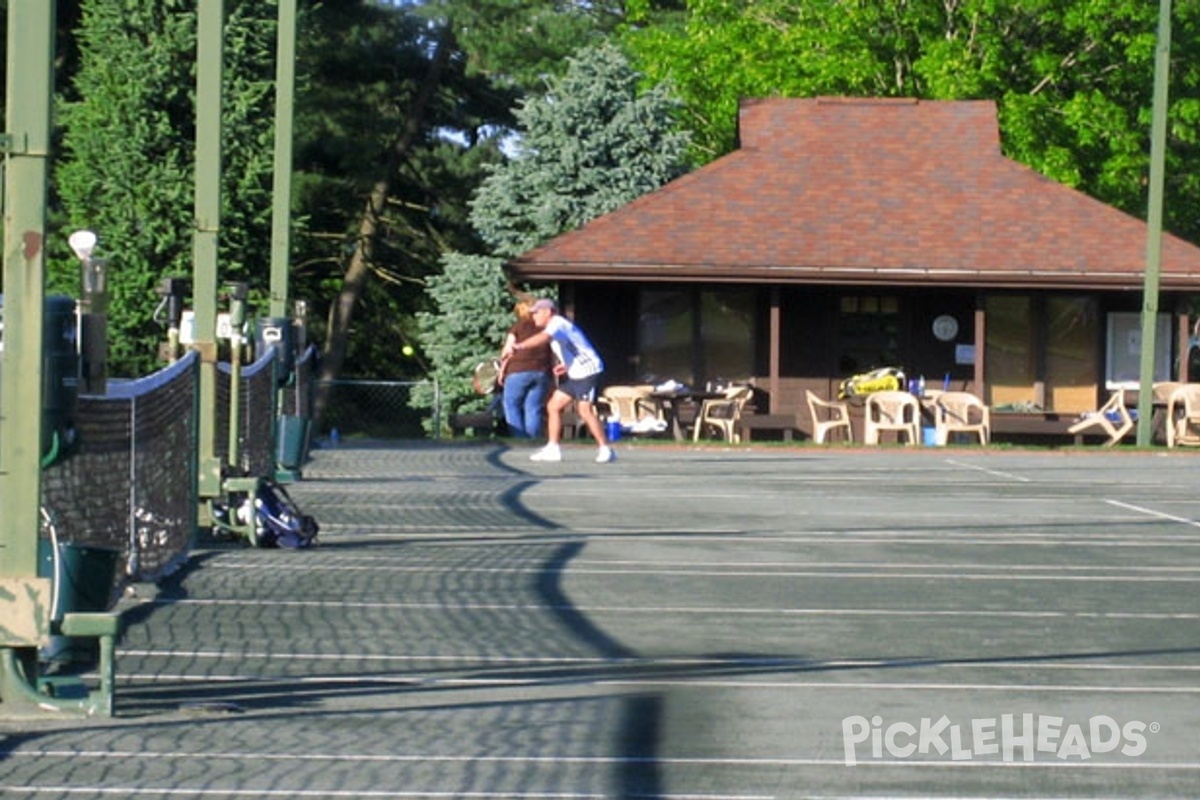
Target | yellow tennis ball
(407,350)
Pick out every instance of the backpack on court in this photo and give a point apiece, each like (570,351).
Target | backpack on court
(279,521)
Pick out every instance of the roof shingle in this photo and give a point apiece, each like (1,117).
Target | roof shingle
(839,190)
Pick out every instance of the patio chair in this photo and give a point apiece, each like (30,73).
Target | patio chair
(633,406)
(828,416)
(1183,416)
(722,414)
(960,412)
(1112,418)
(892,411)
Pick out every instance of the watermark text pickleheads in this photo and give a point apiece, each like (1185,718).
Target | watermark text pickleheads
(1009,737)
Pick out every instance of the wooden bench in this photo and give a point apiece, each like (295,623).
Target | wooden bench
(483,423)
(480,423)
(784,423)
(1036,425)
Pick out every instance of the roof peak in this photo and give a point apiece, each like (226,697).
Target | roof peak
(849,124)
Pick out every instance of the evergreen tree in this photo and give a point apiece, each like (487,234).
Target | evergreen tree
(474,306)
(126,169)
(391,136)
(127,166)
(517,43)
(592,143)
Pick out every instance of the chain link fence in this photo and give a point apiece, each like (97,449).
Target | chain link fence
(379,410)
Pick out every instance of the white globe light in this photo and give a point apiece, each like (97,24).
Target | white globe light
(83,243)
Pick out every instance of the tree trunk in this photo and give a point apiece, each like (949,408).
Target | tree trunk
(358,271)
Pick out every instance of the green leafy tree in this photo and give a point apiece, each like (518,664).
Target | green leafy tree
(1072,78)
(593,142)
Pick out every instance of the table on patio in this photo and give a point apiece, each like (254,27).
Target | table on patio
(680,408)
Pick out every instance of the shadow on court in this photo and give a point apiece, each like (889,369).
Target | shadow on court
(684,623)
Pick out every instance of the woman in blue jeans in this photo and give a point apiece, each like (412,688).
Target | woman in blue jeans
(527,378)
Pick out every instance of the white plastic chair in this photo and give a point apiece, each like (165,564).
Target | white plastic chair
(629,404)
(1112,418)
(892,411)
(723,413)
(961,412)
(828,416)
(1183,416)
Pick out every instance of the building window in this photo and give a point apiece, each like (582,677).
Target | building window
(1011,364)
(870,333)
(696,335)
(1041,352)
(1072,360)
(1124,351)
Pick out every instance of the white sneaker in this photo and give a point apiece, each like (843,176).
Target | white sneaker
(550,452)
(605,455)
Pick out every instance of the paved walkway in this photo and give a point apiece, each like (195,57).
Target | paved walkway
(686,623)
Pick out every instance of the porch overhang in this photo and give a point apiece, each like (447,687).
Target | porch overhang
(849,276)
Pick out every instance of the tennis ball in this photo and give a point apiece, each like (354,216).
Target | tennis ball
(407,350)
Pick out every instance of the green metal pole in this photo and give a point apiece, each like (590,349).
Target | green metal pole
(29,93)
(210,55)
(1158,140)
(285,90)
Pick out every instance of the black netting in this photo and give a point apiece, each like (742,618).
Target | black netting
(256,437)
(128,483)
(297,398)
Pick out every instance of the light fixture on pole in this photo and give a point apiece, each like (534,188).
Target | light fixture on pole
(93,314)
(83,243)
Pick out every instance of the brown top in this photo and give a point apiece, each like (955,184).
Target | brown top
(864,191)
(529,359)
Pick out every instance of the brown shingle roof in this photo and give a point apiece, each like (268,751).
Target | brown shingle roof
(865,191)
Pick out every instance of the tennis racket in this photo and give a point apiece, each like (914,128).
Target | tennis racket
(486,377)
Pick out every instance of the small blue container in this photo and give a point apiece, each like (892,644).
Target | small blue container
(612,430)
(929,437)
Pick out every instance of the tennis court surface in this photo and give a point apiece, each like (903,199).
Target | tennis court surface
(685,623)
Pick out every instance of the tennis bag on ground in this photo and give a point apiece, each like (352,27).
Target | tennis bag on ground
(279,521)
(884,379)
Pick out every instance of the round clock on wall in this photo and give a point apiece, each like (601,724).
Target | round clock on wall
(945,327)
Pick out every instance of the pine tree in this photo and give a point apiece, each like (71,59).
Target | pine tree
(127,167)
(592,143)
(475,311)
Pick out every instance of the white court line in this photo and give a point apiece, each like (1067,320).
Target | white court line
(783,761)
(686,610)
(892,687)
(417,533)
(546,499)
(138,791)
(654,682)
(875,575)
(431,561)
(475,661)
(428,537)
(1151,512)
(993,472)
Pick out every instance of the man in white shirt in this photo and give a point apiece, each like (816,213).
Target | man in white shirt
(578,379)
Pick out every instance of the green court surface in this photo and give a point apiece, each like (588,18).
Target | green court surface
(717,623)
